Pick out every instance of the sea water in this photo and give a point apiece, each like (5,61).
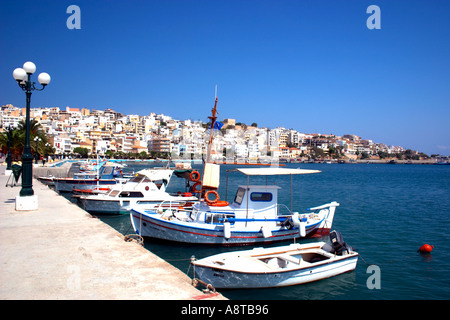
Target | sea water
(386,213)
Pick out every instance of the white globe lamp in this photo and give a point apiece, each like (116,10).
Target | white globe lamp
(44,78)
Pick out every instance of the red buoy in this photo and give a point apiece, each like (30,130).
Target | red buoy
(426,248)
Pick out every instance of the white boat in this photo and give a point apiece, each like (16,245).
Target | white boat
(106,176)
(147,189)
(277,266)
(255,216)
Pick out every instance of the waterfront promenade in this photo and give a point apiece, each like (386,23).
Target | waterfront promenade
(61,252)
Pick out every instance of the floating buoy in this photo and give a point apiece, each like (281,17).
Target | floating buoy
(426,248)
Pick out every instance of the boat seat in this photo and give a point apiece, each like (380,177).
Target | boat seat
(290,258)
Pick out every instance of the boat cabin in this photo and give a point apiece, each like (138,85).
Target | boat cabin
(256,197)
(253,204)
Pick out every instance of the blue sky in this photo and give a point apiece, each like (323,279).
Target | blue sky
(313,66)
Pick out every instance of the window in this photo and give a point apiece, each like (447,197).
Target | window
(114,193)
(261,196)
(131,194)
(239,195)
(136,178)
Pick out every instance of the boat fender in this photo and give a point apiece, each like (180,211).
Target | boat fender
(426,248)
(266,232)
(194,176)
(302,229)
(227,230)
(300,223)
(295,219)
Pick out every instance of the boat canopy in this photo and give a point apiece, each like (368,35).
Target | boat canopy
(274,171)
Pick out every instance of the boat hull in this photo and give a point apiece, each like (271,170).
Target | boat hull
(106,207)
(225,279)
(153,226)
(63,185)
(102,206)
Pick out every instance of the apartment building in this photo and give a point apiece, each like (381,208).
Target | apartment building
(109,130)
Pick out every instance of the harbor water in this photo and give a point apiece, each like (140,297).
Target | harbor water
(386,213)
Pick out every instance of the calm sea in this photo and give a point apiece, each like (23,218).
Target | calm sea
(386,212)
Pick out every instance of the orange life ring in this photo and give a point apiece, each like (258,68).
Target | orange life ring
(213,201)
(194,187)
(221,203)
(194,176)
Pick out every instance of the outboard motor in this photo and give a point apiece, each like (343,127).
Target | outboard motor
(338,246)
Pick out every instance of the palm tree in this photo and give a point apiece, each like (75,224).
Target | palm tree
(35,131)
(18,139)
(17,143)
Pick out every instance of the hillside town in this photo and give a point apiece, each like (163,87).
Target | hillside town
(113,134)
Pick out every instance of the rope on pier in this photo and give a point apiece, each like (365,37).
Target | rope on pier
(209,289)
(208,286)
(134,238)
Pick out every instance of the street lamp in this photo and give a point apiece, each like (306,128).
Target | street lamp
(23,78)
(36,154)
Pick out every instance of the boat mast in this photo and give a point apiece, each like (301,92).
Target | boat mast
(213,119)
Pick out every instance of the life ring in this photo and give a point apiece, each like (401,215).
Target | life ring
(213,201)
(194,187)
(194,176)
(221,203)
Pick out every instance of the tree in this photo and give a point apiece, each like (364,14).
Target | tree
(17,143)
(83,152)
(143,155)
(18,139)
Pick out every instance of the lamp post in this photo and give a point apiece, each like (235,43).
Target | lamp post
(23,78)
(36,154)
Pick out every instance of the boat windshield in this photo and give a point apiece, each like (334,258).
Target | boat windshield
(136,179)
(114,193)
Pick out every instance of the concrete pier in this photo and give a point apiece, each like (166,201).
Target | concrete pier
(61,252)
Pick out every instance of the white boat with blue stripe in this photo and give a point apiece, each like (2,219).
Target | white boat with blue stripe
(254,216)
